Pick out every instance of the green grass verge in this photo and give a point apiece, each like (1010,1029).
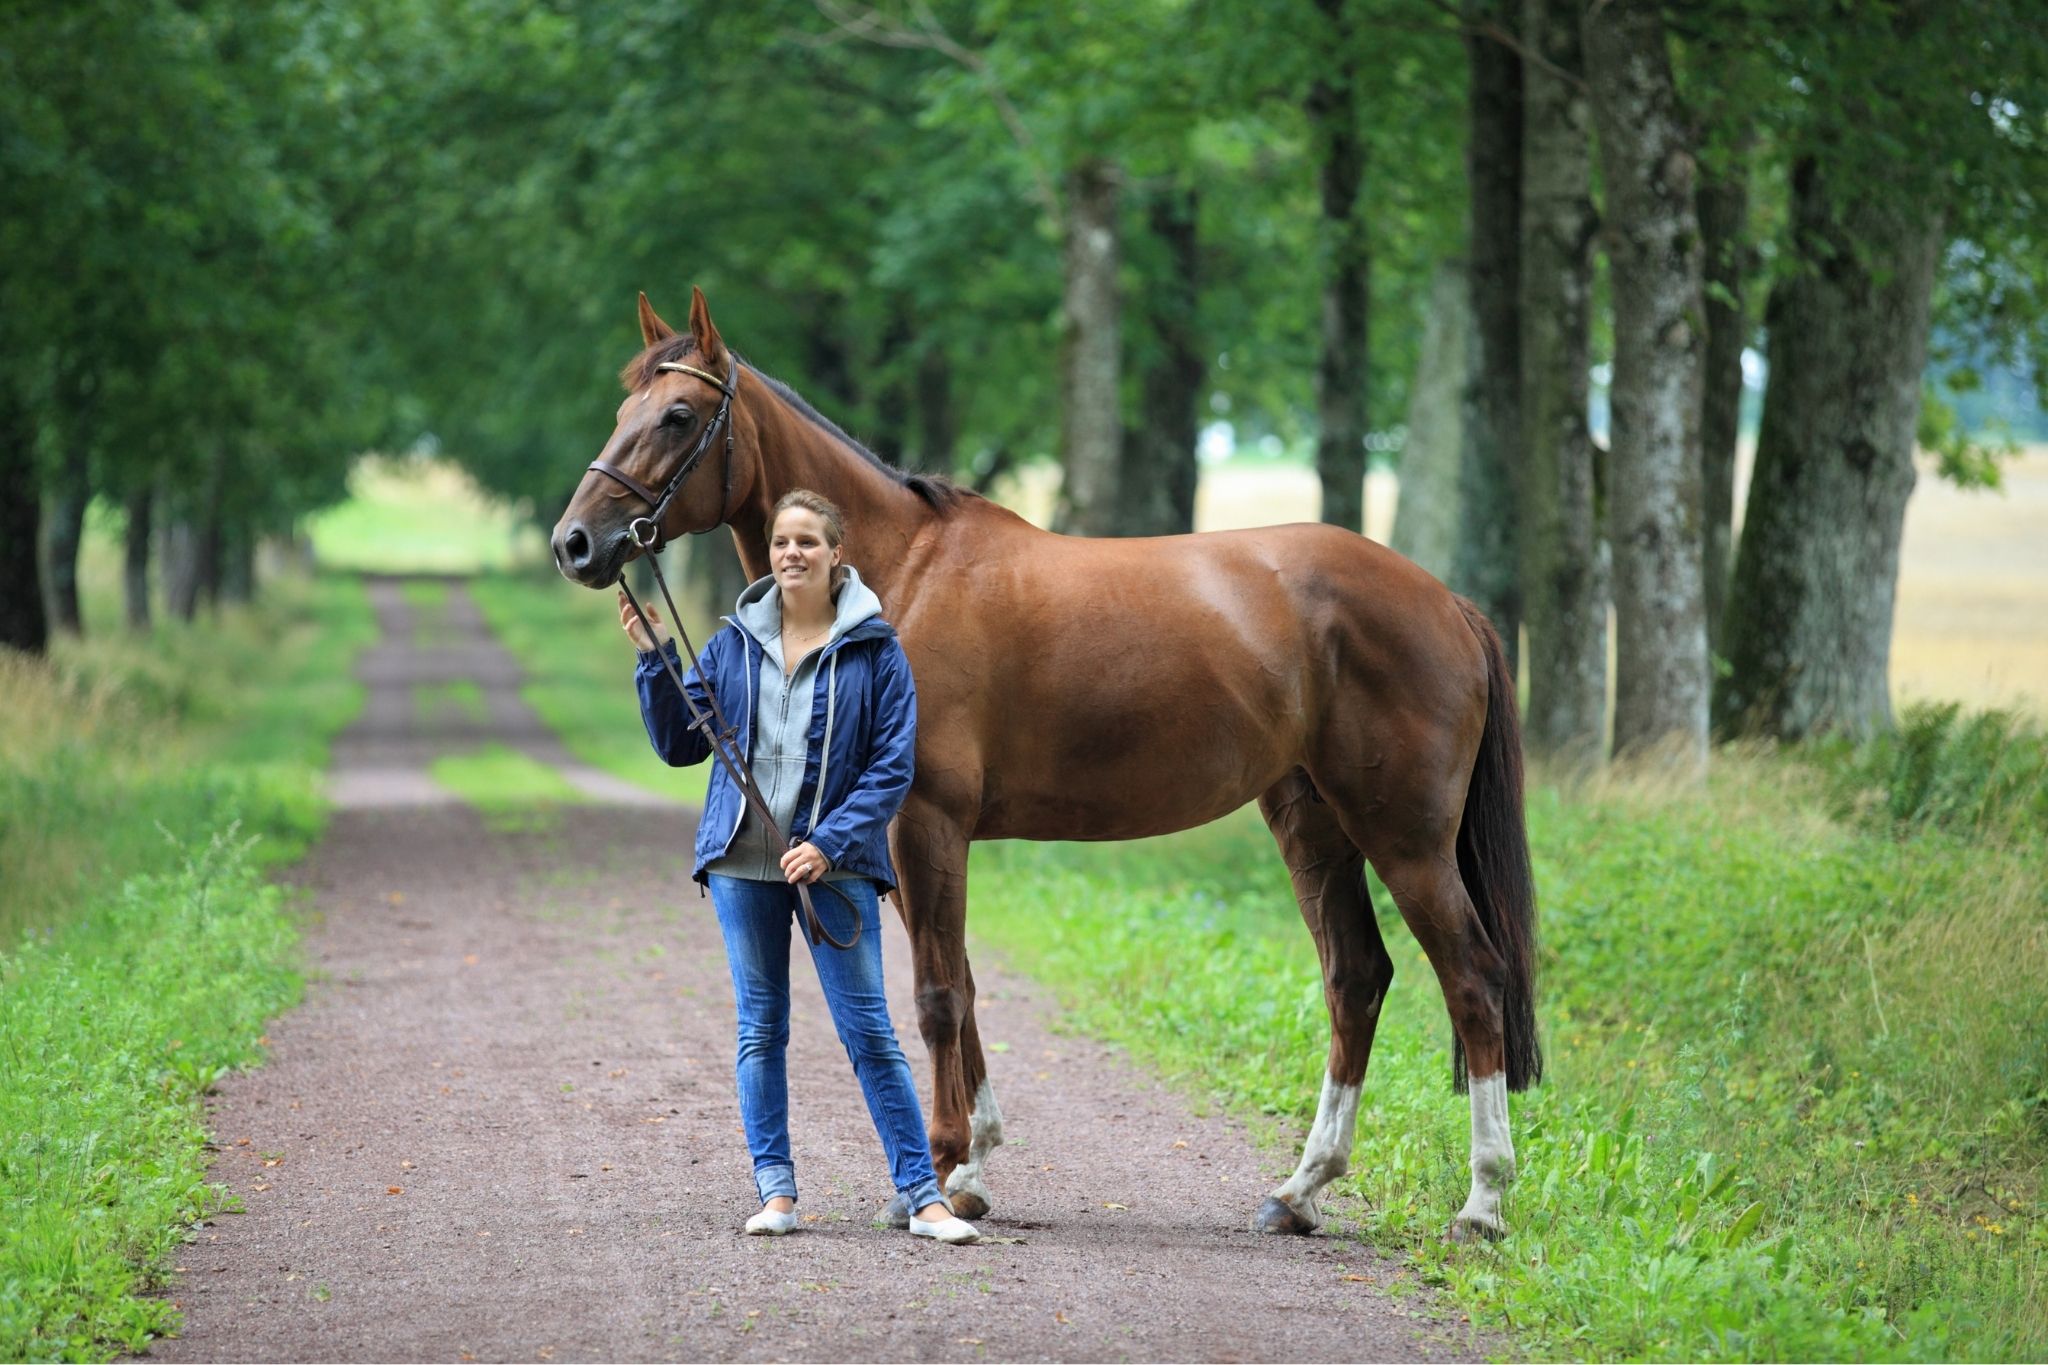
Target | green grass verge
(144,786)
(579,675)
(510,789)
(1797,1096)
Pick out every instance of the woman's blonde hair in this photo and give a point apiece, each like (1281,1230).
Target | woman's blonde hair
(827,511)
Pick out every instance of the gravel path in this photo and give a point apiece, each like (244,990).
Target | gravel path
(502,1125)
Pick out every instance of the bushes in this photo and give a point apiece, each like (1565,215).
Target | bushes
(1983,775)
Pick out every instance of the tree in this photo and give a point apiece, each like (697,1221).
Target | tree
(1488,567)
(1653,248)
(1342,369)
(1564,590)
(1427,520)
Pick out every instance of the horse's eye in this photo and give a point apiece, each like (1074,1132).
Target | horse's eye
(678,417)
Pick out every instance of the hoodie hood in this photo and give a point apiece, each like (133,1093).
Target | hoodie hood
(759,609)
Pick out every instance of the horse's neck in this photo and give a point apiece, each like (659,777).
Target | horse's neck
(883,517)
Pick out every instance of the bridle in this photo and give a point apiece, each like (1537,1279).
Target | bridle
(720,421)
(720,734)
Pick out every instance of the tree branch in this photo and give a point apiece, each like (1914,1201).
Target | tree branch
(1512,42)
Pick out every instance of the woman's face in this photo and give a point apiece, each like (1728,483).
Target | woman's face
(799,553)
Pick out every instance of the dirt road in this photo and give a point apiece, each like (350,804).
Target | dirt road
(502,1125)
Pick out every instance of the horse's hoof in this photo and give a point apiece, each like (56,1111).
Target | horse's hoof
(1463,1229)
(968,1204)
(897,1215)
(1277,1217)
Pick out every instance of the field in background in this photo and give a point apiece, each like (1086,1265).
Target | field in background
(411,514)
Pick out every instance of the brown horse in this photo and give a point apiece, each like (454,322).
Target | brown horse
(1114,689)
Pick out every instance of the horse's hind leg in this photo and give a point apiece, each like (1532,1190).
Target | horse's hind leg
(1329,882)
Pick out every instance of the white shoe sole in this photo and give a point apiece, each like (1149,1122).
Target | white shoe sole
(951,1231)
(769,1223)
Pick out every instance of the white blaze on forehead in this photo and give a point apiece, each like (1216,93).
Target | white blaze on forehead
(1327,1153)
(1493,1152)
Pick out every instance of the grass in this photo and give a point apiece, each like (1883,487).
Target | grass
(579,675)
(510,789)
(145,784)
(1797,1097)
(420,515)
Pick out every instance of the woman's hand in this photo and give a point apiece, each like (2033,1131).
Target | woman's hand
(629,621)
(804,864)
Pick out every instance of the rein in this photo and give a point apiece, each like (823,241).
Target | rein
(722,736)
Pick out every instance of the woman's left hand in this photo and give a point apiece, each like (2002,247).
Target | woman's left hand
(804,864)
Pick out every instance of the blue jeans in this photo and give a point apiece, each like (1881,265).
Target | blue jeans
(756,917)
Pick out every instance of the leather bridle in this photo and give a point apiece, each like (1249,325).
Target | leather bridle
(720,421)
(712,724)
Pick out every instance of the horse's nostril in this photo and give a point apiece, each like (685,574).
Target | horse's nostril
(578,546)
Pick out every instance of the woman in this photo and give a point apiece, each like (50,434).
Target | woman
(826,712)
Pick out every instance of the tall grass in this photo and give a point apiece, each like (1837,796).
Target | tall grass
(144,785)
(1797,1100)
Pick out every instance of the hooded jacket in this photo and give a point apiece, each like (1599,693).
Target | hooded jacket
(863,728)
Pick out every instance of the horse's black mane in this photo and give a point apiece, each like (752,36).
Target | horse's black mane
(938,491)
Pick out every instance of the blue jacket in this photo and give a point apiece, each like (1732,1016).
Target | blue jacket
(864,697)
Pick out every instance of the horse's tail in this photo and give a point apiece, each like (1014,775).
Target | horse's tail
(1493,858)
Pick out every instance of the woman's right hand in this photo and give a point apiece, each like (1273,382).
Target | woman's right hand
(629,621)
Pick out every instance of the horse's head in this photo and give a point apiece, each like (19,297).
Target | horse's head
(669,457)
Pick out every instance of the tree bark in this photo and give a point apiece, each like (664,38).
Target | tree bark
(1487,566)
(135,566)
(1809,618)
(179,548)
(24,622)
(1426,517)
(1653,249)
(1724,226)
(1157,482)
(238,562)
(938,429)
(1091,424)
(63,532)
(1341,368)
(1564,589)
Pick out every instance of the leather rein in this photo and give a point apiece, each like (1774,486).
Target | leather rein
(717,731)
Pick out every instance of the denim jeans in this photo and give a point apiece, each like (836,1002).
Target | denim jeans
(756,918)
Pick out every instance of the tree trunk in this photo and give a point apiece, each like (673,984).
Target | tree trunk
(1653,249)
(238,562)
(1564,590)
(1426,517)
(1487,566)
(938,430)
(1724,227)
(135,566)
(1157,482)
(63,533)
(210,543)
(24,621)
(1091,424)
(1809,618)
(1341,373)
(180,551)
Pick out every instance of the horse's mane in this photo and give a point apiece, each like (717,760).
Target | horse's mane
(938,491)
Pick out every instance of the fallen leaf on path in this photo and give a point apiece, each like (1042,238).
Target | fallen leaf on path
(967,1341)
(1120,1208)
(1179,1143)
(470,959)
(395,897)
(405,1165)
(604,1165)
(1060,1318)
(1361,1279)
(395,1189)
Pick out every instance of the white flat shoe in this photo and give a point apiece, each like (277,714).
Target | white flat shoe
(769,1223)
(952,1231)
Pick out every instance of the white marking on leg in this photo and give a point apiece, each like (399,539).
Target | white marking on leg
(985,1134)
(1327,1153)
(1493,1155)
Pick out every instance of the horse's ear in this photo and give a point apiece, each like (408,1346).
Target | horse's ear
(709,347)
(652,328)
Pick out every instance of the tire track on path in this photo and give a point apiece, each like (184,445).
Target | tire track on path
(502,1125)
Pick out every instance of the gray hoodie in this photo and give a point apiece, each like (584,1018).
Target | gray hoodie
(782,718)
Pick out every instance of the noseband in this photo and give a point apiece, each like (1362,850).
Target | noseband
(720,421)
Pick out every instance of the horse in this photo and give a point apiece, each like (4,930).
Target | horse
(1076,688)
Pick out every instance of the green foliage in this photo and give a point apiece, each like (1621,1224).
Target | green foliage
(111,1033)
(1982,776)
(1770,1127)
(507,786)
(145,785)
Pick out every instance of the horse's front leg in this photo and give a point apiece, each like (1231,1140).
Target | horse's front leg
(930,849)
